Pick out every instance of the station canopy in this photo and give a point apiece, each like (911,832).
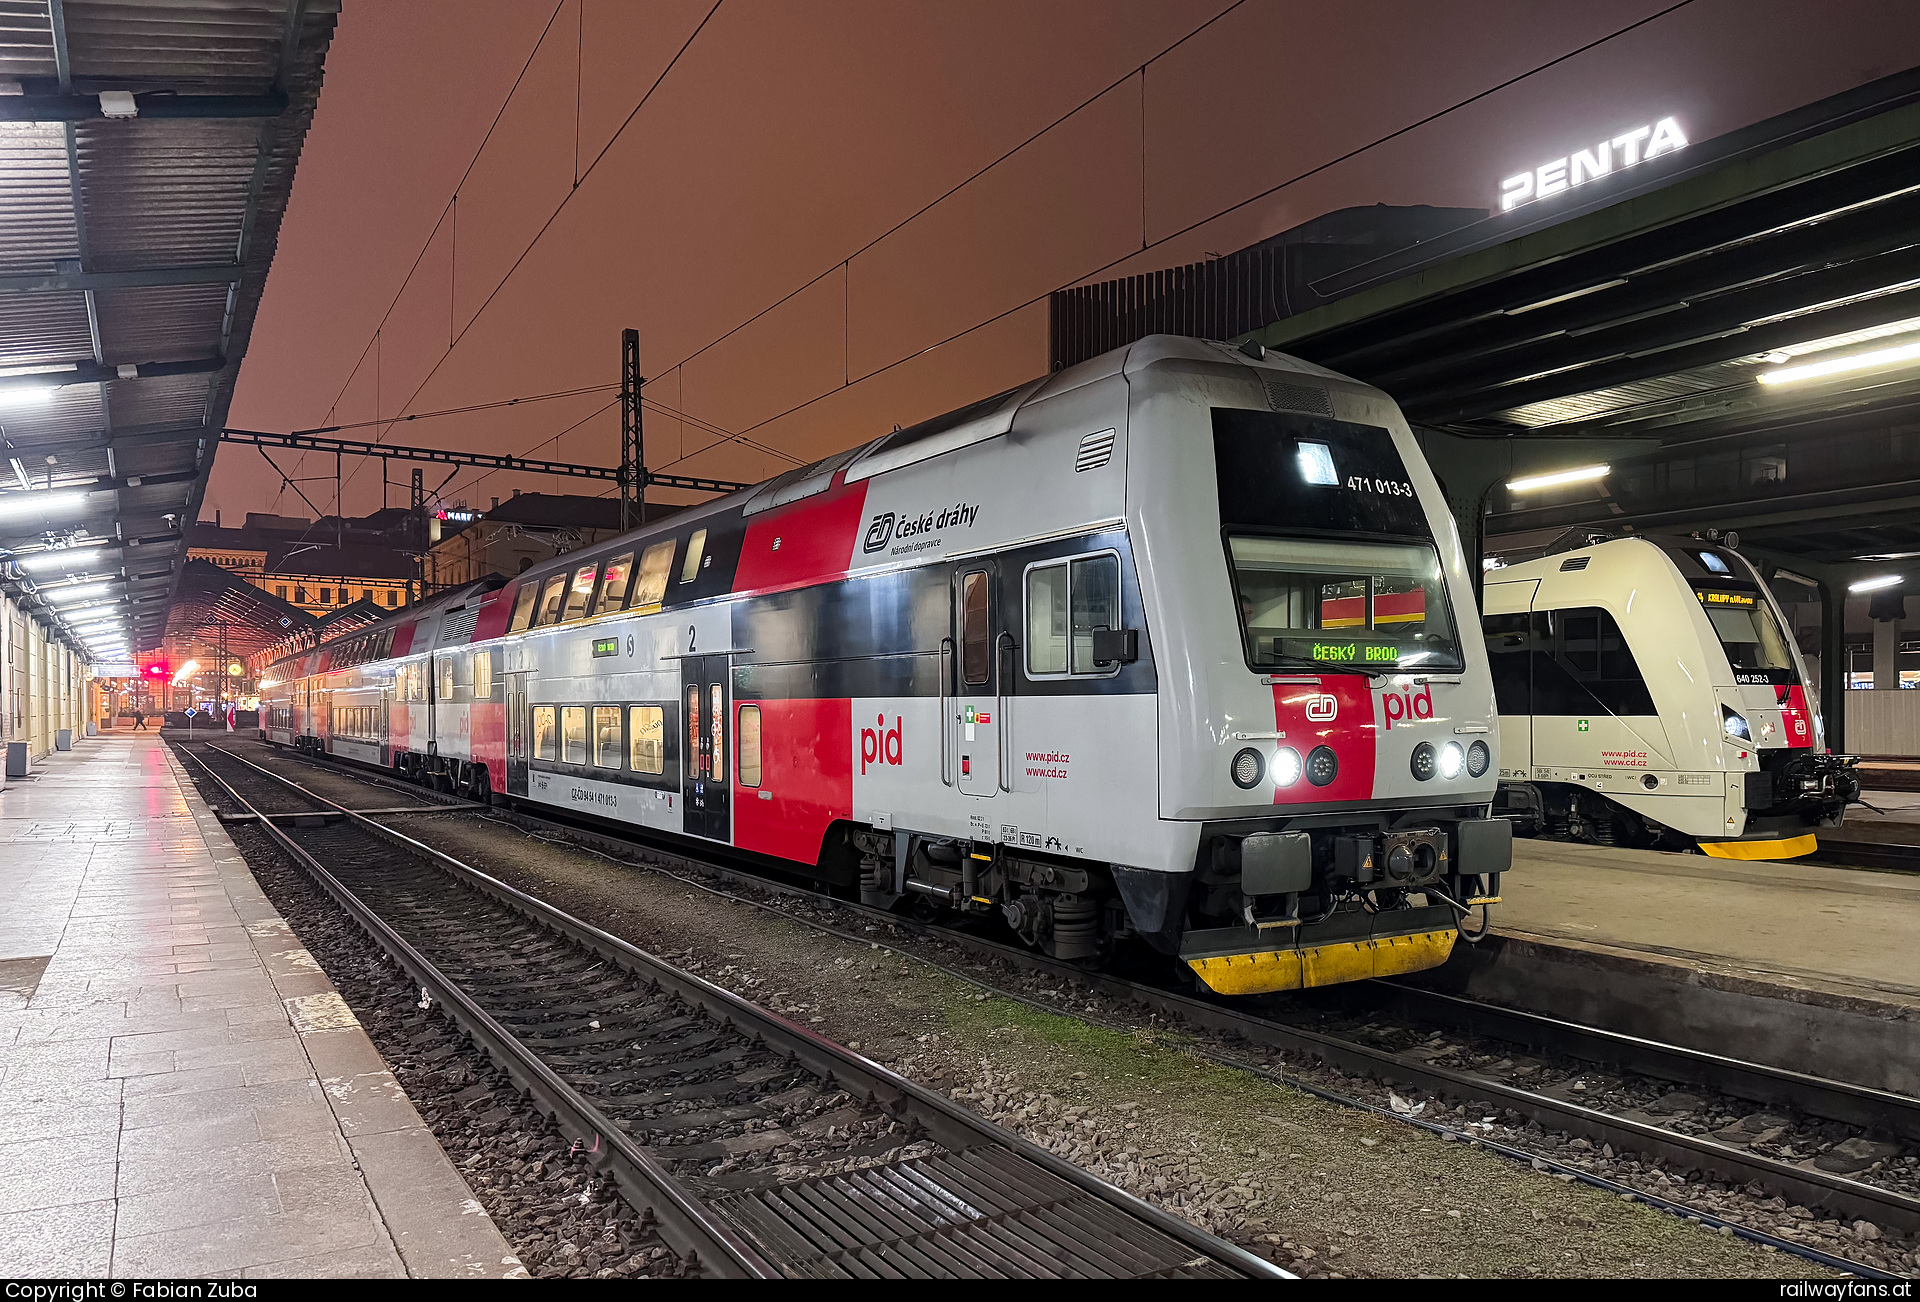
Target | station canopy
(148,152)
(1733,327)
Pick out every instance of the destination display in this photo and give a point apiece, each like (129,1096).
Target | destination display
(606,646)
(1339,651)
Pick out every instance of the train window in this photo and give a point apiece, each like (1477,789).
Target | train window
(1066,602)
(1582,665)
(523,607)
(1096,604)
(386,644)
(655,564)
(483,675)
(1047,619)
(1325,602)
(573,734)
(1751,637)
(749,745)
(580,591)
(647,739)
(717,716)
(613,588)
(695,760)
(446,678)
(976,634)
(1508,649)
(606,736)
(696,547)
(550,600)
(543,733)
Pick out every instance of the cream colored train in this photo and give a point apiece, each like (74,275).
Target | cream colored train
(1650,696)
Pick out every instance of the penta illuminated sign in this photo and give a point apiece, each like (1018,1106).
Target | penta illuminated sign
(1548,179)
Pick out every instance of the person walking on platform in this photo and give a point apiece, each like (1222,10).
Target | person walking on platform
(139,721)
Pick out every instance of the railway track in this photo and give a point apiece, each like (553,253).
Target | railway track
(760,1149)
(1869,1110)
(1882,856)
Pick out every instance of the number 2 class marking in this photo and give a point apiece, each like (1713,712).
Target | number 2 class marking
(692,632)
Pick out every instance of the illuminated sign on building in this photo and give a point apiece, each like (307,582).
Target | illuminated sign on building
(462,517)
(1562,174)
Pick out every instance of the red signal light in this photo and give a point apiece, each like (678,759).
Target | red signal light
(157,670)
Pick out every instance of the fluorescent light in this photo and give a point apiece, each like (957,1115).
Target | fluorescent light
(1842,365)
(1577,475)
(74,594)
(186,671)
(20,473)
(59,559)
(40,500)
(32,395)
(1874,584)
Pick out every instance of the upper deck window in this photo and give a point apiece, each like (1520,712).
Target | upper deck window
(523,607)
(655,564)
(550,596)
(580,591)
(613,588)
(696,548)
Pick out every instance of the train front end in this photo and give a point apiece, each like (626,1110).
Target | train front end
(1327,718)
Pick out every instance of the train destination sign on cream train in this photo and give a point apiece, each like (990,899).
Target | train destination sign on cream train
(1623,150)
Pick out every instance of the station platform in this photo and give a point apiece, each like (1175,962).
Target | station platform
(182,1090)
(1803,966)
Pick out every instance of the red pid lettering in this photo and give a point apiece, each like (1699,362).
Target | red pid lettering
(880,744)
(1403,706)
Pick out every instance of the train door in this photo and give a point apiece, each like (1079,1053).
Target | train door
(979,729)
(431,668)
(706,705)
(516,734)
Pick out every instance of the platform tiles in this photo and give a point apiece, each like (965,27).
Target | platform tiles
(182,1091)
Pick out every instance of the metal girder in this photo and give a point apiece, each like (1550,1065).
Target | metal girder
(302,442)
(1822,263)
(79,107)
(95,373)
(72,279)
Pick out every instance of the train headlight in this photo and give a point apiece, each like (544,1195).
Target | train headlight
(1323,766)
(1247,769)
(1736,725)
(1479,756)
(1452,760)
(1424,761)
(1286,766)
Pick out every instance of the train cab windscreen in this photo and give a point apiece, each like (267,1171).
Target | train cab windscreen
(1756,647)
(1379,606)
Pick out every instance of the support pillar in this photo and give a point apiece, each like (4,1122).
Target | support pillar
(1886,655)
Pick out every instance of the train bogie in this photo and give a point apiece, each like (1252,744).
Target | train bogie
(1167,647)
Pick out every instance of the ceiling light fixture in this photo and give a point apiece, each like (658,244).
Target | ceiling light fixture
(58,560)
(32,395)
(1577,475)
(14,504)
(83,591)
(1874,584)
(1879,357)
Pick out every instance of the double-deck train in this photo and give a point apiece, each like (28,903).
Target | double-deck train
(1650,696)
(1175,645)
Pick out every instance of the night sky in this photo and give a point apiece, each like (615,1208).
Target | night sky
(829,218)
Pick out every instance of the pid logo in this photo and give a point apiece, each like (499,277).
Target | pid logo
(880,744)
(1406,706)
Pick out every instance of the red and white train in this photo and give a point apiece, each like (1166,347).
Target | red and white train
(1175,644)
